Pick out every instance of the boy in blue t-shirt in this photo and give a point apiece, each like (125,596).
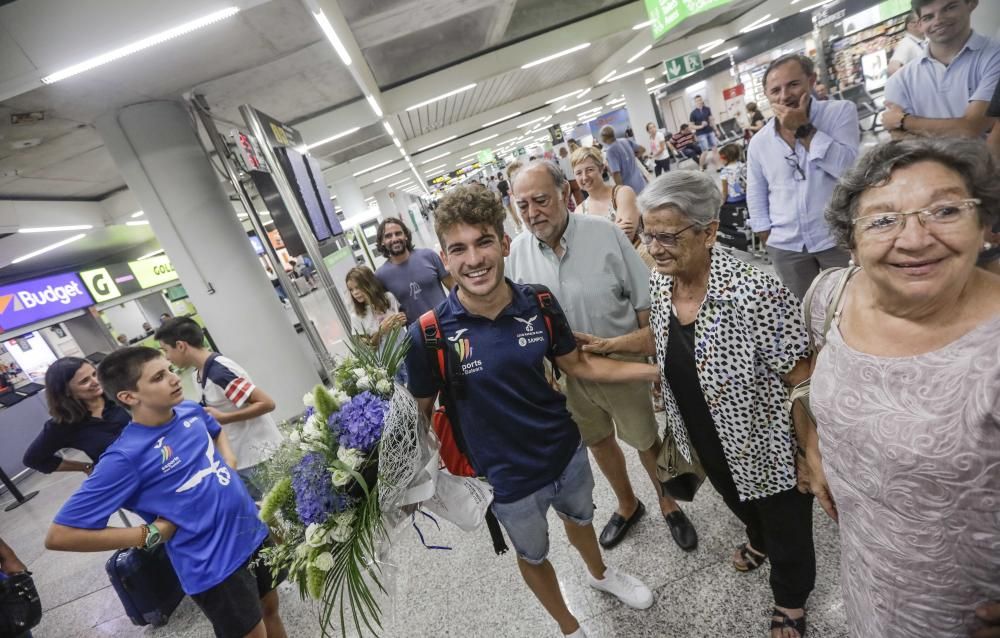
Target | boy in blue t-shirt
(173,466)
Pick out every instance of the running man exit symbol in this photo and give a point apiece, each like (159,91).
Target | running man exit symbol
(682,65)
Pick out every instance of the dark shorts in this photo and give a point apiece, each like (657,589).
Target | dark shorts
(233,606)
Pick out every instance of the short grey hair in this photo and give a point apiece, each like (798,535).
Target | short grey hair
(553,169)
(805,63)
(969,158)
(608,133)
(693,193)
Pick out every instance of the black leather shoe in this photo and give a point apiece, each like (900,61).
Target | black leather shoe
(614,532)
(682,530)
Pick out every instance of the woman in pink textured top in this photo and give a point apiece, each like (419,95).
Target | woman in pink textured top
(906,393)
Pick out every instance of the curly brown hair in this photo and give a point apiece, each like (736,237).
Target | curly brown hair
(471,206)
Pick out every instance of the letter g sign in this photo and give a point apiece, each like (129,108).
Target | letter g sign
(100,284)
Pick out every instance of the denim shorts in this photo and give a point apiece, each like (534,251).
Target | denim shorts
(570,495)
(707,140)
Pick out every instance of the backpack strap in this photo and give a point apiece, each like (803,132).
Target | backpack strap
(554,319)
(434,347)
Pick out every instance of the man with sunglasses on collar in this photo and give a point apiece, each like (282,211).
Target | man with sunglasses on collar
(793,164)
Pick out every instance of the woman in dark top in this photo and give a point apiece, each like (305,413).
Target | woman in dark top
(730,340)
(83,418)
(757,119)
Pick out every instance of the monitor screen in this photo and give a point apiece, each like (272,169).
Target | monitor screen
(323,192)
(303,184)
(258,247)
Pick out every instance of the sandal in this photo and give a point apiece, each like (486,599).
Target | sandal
(751,559)
(786,622)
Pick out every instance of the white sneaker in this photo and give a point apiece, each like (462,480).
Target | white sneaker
(628,589)
(579,633)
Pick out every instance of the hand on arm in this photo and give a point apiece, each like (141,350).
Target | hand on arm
(812,477)
(592,367)
(637,342)
(973,122)
(628,212)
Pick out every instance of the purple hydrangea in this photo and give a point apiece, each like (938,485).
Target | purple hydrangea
(358,424)
(315,496)
(309,412)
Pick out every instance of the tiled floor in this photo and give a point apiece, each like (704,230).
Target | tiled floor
(468,591)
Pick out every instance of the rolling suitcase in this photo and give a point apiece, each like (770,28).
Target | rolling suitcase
(146,584)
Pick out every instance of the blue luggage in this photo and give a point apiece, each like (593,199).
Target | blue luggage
(146,584)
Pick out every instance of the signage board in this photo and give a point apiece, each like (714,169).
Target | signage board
(34,300)
(682,65)
(556,134)
(101,284)
(664,15)
(733,92)
(485,156)
(153,271)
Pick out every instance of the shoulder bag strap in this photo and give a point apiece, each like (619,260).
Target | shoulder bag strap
(837,298)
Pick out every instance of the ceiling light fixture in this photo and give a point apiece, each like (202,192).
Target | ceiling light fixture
(554,56)
(387,176)
(465,163)
(331,35)
(138,222)
(372,102)
(585,91)
(333,137)
(498,120)
(708,46)
(161,251)
(657,87)
(637,69)
(555,99)
(762,25)
(473,154)
(638,55)
(402,181)
(438,143)
(428,171)
(814,6)
(608,76)
(371,168)
(271,221)
(388,128)
(648,80)
(139,45)
(436,157)
(484,139)
(46,249)
(441,97)
(54,229)
(402,151)
(138,213)
(395,140)
(574,106)
(642,25)
(724,52)
(756,23)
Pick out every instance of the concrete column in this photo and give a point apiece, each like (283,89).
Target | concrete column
(638,103)
(159,155)
(386,205)
(349,197)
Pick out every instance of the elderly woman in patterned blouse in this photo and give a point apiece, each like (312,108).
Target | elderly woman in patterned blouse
(731,340)
(906,392)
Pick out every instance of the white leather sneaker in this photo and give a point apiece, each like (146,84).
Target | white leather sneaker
(628,589)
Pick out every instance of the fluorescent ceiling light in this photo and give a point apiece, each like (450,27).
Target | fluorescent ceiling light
(402,151)
(755,24)
(333,137)
(760,26)
(436,157)
(372,102)
(814,6)
(697,86)
(465,163)
(271,221)
(371,168)
(638,55)
(395,140)
(554,56)
(656,87)
(138,213)
(402,181)
(331,35)
(585,91)
(438,143)
(498,120)
(648,80)
(637,69)
(574,106)
(54,229)
(724,52)
(613,102)
(473,154)
(46,249)
(506,142)
(388,175)
(642,25)
(708,46)
(608,76)
(428,171)
(441,97)
(484,139)
(139,45)
(138,222)
(388,128)
(555,99)
(160,252)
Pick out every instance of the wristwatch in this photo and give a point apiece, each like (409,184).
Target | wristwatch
(152,536)
(902,122)
(804,131)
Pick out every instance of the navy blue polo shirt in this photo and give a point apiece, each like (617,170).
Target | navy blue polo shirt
(517,428)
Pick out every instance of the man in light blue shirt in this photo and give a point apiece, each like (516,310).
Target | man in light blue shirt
(622,162)
(946,90)
(793,164)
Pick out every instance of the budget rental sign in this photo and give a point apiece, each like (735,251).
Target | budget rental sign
(37,299)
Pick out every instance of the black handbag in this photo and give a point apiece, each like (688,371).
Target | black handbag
(20,607)
(678,477)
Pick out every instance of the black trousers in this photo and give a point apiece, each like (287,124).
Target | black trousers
(779,525)
(661,166)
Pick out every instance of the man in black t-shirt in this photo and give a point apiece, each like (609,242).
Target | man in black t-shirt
(504,187)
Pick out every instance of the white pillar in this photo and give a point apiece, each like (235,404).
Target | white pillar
(638,103)
(386,204)
(158,153)
(349,197)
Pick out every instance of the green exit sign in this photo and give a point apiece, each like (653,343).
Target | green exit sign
(667,14)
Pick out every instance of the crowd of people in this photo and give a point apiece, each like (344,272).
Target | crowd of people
(865,376)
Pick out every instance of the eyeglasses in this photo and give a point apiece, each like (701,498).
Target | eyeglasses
(667,240)
(793,161)
(888,225)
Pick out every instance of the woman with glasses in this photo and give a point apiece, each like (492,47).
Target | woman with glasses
(731,341)
(906,392)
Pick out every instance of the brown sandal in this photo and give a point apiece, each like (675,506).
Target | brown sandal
(781,620)
(751,558)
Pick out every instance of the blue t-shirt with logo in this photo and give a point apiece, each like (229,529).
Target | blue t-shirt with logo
(517,429)
(416,283)
(175,471)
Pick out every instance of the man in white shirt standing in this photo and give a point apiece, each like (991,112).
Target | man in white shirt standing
(659,148)
(910,46)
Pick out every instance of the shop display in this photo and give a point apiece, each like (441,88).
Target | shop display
(848,55)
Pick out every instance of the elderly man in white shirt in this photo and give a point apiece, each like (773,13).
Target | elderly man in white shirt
(910,46)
